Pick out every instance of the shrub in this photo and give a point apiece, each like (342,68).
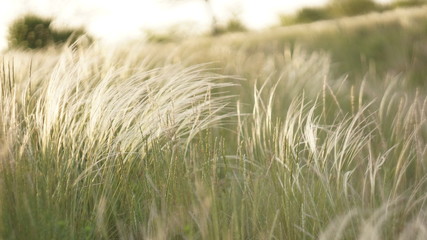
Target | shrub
(333,10)
(353,7)
(408,3)
(64,35)
(34,32)
(30,32)
(306,15)
(233,25)
(287,20)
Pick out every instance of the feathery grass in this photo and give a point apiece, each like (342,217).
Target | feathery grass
(152,143)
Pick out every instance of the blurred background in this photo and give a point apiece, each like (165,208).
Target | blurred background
(112,21)
(377,36)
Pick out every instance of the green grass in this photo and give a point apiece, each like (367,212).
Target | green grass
(247,136)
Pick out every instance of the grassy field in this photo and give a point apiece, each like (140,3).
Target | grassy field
(308,132)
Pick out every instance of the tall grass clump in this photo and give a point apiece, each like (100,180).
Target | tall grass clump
(75,138)
(362,171)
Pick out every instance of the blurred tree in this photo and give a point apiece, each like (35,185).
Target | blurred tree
(30,32)
(34,32)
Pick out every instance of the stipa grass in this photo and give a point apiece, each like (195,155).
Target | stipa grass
(80,106)
(69,129)
(97,145)
(348,165)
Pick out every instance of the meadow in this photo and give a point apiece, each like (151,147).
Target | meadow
(306,132)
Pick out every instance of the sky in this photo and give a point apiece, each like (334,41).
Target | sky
(113,21)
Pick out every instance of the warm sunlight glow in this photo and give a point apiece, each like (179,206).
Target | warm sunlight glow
(213,119)
(113,20)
